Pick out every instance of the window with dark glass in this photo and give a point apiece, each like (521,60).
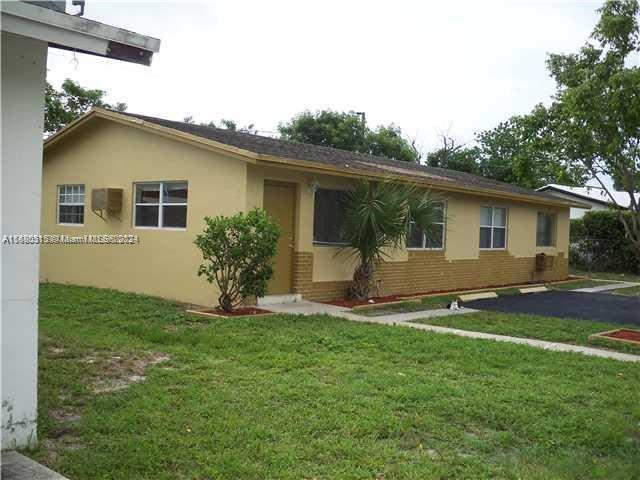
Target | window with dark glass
(493,227)
(432,238)
(161,205)
(71,204)
(328,216)
(545,233)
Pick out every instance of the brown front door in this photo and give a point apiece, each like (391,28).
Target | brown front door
(279,203)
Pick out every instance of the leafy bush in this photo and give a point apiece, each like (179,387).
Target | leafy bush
(598,242)
(576,229)
(238,253)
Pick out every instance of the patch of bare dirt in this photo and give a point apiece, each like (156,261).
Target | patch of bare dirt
(54,446)
(118,372)
(63,436)
(64,416)
(107,372)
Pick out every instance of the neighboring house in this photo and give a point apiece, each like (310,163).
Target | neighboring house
(28,31)
(595,197)
(170,175)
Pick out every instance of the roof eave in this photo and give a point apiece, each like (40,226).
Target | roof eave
(70,32)
(359,173)
(578,204)
(194,140)
(285,162)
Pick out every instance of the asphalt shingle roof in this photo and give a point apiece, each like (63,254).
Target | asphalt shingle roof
(339,158)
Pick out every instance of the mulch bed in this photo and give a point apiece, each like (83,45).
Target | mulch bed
(625,334)
(341,302)
(237,312)
(371,301)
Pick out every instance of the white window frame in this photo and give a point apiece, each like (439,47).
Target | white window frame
(554,229)
(160,204)
(492,226)
(70,204)
(444,232)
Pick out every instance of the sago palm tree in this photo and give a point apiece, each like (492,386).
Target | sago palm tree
(378,216)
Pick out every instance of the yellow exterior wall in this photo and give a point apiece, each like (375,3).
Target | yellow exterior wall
(164,262)
(327,265)
(463,227)
(103,153)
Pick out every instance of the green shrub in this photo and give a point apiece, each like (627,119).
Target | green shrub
(238,253)
(576,229)
(598,242)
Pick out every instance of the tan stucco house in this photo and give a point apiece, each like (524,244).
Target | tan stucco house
(164,177)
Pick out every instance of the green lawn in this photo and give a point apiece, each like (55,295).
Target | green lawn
(624,277)
(565,330)
(316,397)
(576,284)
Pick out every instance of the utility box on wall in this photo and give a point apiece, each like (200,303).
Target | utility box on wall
(544,262)
(106,200)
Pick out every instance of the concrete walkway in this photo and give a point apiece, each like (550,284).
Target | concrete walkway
(314,308)
(16,466)
(604,288)
(410,316)
(405,320)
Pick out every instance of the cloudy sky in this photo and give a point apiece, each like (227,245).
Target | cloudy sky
(427,66)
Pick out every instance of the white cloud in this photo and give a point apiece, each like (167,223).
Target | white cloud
(426,66)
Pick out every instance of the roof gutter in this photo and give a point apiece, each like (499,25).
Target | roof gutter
(583,197)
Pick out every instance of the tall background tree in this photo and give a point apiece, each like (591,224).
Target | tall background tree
(224,123)
(521,150)
(591,129)
(597,107)
(454,156)
(71,101)
(349,131)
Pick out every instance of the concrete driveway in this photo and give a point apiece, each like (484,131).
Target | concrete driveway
(603,307)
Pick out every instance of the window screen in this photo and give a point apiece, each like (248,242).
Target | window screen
(432,239)
(545,232)
(328,216)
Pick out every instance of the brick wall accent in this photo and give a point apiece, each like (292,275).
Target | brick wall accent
(428,270)
(302,272)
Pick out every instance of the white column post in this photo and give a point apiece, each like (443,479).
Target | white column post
(21,104)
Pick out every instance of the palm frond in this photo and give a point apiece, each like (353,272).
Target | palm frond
(378,216)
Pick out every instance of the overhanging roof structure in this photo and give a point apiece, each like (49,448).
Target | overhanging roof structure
(70,32)
(258,149)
